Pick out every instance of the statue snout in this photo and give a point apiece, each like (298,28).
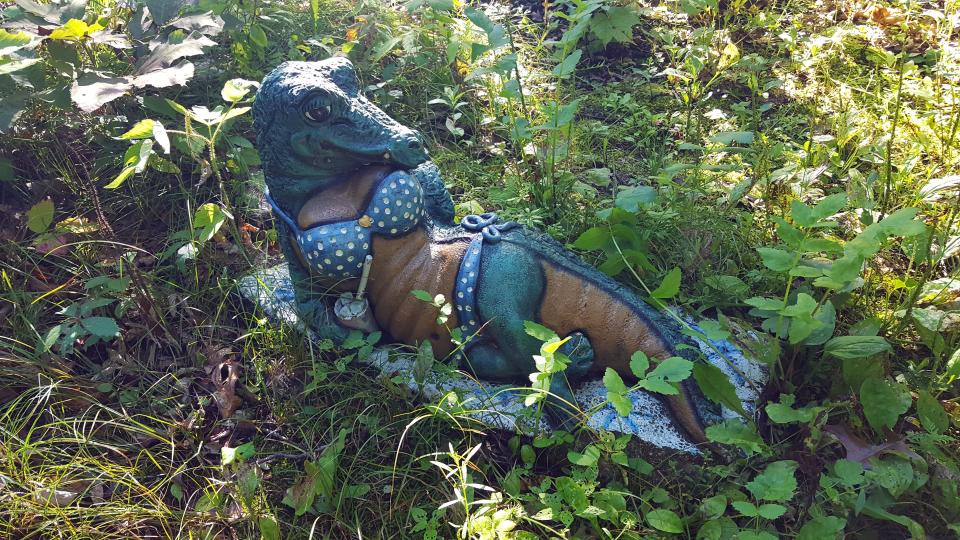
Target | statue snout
(409,149)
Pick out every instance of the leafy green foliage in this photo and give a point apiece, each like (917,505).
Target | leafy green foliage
(716,387)
(776,483)
(631,199)
(208,220)
(229,455)
(664,520)
(40,216)
(883,402)
(315,491)
(785,413)
(669,287)
(662,379)
(822,527)
(847,347)
(81,323)
(738,434)
(615,24)
(617,392)
(932,415)
(548,364)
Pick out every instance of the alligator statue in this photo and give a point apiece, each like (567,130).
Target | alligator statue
(357,199)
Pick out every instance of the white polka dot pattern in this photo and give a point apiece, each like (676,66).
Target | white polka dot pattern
(337,250)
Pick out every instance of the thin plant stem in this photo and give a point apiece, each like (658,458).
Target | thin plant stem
(888,166)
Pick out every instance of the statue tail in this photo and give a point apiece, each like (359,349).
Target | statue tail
(617,324)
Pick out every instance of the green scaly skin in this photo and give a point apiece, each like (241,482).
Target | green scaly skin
(314,129)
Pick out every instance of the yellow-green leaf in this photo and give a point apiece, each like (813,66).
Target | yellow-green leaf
(236,89)
(140,130)
(121,178)
(74,29)
(12,41)
(40,216)
(539,331)
(208,220)
(669,287)
(729,56)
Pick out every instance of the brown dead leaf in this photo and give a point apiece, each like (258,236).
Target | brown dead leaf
(55,497)
(65,494)
(246,240)
(53,244)
(224,374)
(224,378)
(861,451)
(206,171)
(885,16)
(880,15)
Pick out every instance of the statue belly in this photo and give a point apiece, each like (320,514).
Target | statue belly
(405,264)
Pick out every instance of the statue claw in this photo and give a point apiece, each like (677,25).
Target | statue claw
(561,405)
(580,352)
(317,315)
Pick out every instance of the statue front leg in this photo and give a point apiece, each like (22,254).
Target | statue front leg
(486,361)
(509,291)
(314,306)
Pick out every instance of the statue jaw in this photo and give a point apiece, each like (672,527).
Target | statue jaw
(320,157)
(316,165)
(324,153)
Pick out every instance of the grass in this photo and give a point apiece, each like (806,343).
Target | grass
(138,436)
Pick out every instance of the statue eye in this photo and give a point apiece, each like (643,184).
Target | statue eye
(320,114)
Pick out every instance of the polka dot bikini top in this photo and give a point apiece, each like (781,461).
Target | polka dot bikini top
(337,249)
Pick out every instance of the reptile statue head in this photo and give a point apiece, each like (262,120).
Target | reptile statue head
(314,127)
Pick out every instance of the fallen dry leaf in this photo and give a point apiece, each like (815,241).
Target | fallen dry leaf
(224,375)
(65,494)
(56,497)
(861,451)
(885,16)
(880,15)
(53,244)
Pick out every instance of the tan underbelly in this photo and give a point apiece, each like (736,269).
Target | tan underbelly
(572,303)
(405,264)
